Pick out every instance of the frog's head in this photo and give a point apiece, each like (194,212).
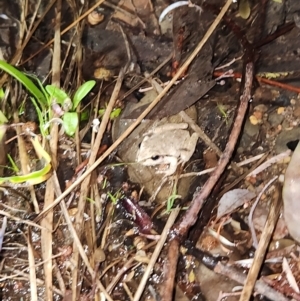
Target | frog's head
(149,154)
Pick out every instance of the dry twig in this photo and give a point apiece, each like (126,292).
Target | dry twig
(262,248)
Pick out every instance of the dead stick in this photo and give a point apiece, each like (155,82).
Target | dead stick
(260,286)
(190,217)
(262,247)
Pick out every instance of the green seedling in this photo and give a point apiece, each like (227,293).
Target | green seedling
(171,200)
(68,107)
(24,80)
(35,177)
(44,100)
(113,115)
(2,93)
(97,207)
(223,112)
(3,129)
(3,119)
(13,164)
(114,198)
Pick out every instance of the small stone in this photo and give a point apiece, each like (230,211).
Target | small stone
(296,112)
(261,108)
(253,120)
(275,119)
(280,110)
(284,137)
(258,115)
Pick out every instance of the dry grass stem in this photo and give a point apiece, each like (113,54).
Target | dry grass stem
(262,247)
(32,267)
(85,186)
(47,222)
(157,250)
(65,30)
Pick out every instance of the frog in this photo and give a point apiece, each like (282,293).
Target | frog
(168,144)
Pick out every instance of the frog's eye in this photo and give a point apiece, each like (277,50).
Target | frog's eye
(155,157)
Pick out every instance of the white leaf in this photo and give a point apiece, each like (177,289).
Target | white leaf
(233,199)
(289,276)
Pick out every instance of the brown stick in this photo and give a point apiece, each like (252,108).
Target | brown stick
(238,276)
(262,247)
(190,217)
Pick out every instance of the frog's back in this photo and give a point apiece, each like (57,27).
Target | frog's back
(168,143)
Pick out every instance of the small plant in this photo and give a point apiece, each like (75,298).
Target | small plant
(113,115)
(65,107)
(114,198)
(3,120)
(223,112)
(51,99)
(171,200)
(34,177)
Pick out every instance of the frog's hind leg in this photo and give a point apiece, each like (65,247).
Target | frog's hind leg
(189,148)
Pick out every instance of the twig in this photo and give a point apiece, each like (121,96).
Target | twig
(65,30)
(260,286)
(262,247)
(156,253)
(76,239)
(190,217)
(148,76)
(19,220)
(265,81)
(251,226)
(47,222)
(200,133)
(191,214)
(85,186)
(32,273)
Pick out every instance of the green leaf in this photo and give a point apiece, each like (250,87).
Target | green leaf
(84,116)
(40,117)
(13,164)
(115,113)
(101,112)
(82,91)
(2,93)
(34,177)
(70,122)
(42,88)
(3,129)
(3,119)
(59,95)
(24,80)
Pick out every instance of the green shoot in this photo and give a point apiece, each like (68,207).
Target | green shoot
(13,164)
(113,115)
(44,97)
(34,177)
(2,93)
(223,112)
(3,119)
(171,200)
(24,80)
(81,92)
(114,198)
